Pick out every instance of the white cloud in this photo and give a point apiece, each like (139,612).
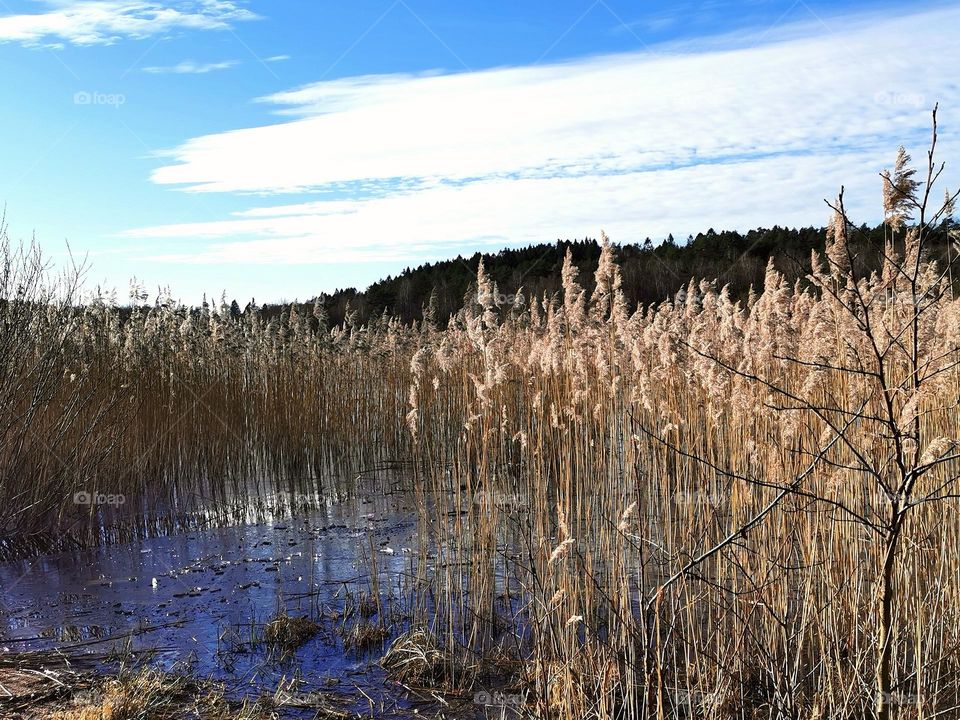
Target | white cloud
(189,67)
(92,22)
(442,220)
(277,58)
(638,144)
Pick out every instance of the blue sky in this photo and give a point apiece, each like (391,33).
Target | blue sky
(276,150)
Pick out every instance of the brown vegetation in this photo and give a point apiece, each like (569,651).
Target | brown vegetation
(704,507)
(286,633)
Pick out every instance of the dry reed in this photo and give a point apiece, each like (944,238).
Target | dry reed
(703,507)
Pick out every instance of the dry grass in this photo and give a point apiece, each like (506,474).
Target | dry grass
(141,695)
(287,633)
(682,506)
(415,659)
(364,636)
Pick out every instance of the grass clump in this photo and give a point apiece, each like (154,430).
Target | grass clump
(287,633)
(364,635)
(150,694)
(415,659)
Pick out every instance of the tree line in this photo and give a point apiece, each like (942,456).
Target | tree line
(651,273)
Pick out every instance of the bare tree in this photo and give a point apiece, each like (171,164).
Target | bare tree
(876,432)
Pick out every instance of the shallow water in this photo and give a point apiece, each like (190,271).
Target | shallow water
(195,600)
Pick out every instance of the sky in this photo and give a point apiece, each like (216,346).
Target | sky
(276,150)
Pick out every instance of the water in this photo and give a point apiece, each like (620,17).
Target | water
(193,602)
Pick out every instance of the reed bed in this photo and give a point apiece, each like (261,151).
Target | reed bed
(701,508)
(141,415)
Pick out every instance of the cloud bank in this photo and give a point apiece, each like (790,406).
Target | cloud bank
(414,166)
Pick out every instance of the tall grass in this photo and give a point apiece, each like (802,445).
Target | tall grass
(680,510)
(176,409)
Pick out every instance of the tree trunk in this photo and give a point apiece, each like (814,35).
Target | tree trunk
(884,680)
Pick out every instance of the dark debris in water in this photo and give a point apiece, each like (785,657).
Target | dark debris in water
(206,601)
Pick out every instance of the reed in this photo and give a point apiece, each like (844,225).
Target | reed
(700,508)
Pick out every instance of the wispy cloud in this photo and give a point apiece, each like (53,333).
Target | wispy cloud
(638,144)
(189,67)
(492,213)
(277,58)
(93,22)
